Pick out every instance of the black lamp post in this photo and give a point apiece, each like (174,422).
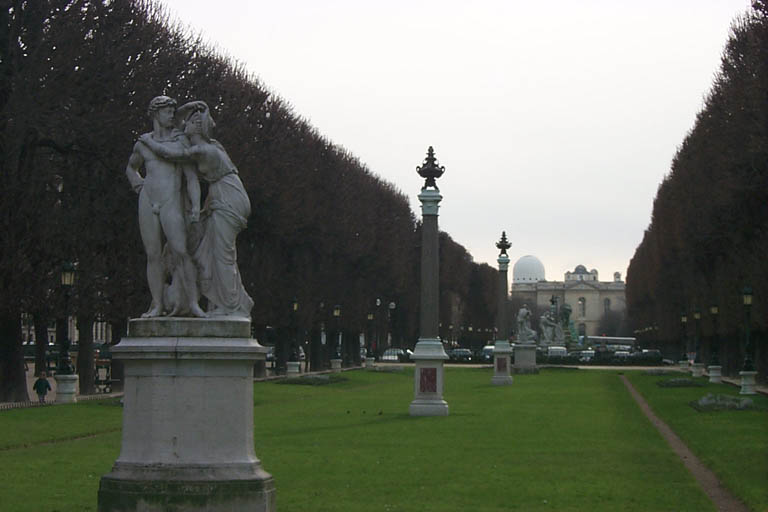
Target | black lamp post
(369,338)
(684,326)
(337,324)
(294,356)
(67,281)
(390,314)
(697,347)
(747,300)
(713,358)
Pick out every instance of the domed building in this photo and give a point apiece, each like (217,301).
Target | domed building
(588,297)
(528,269)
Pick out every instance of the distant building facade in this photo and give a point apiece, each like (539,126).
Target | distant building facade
(588,297)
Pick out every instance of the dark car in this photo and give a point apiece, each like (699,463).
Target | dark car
(460,355)
(486,355)
(396,355)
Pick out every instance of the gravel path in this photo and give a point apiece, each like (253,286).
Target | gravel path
(720,496)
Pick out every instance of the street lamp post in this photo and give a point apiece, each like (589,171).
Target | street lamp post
(293,366)
(748,371)
(335,343)
(683,362)
(390,322)
(714,369)
(66,380)
(698,366)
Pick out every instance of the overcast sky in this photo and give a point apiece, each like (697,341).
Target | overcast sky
(555,121)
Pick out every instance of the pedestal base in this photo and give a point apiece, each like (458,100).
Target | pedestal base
(501,367)
(697,370)
(370,362)
(187,440)
(336,365)
(683,364)
(525,358)
(748,383)
(429,356)
(66,388)
(715,374)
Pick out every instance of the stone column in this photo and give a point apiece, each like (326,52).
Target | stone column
(502,351)
(429,354)
(187,440)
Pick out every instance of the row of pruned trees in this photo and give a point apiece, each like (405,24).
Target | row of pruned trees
(75,80)
(708,234)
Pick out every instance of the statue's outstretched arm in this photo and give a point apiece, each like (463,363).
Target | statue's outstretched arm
(167,151)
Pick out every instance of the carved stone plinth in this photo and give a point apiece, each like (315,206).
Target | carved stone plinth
(336,365)
(370,362)
(715,374)
(429,356)
(502,353)
(66,388)
(525,358)
(748,383)
(188,428)
(683,364)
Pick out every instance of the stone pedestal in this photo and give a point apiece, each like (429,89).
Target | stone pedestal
(502,353)
(66,388)
(370,362)
(187,442)
(293,368)
(336,365)
(525,358)
(748,383)
(429,356)
(697,370)
(683,364)
(715,374)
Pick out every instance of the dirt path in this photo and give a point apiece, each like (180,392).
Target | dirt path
(720,496)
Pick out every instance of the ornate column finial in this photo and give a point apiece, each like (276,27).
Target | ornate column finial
(503,244)
(430,170)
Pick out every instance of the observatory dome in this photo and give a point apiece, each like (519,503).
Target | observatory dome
(528,269)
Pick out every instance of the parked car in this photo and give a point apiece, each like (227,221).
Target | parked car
(486,355)
(396,355)
(586,355)
(556,351)
(460,355)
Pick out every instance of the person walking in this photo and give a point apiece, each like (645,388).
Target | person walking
(41,387)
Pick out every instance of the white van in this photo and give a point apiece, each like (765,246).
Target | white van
(556,351)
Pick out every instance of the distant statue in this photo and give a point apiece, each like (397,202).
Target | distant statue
(524,332)
(551,330)
(224,214)
(162,201)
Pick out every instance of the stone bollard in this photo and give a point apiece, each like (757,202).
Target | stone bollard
(293,368)
(697,370)
(715,374)
(336,365)
(370,362)
(683,363)
(66,388)
(747,383)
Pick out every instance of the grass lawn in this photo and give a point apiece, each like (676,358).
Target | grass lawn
(568,440)
(733,444)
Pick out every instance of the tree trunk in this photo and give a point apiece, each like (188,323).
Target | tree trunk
(41,342)
(119,329)
(13,378)
(85,366)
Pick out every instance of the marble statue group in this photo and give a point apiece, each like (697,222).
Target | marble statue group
(191,251)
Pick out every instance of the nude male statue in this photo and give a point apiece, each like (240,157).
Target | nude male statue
(161,211)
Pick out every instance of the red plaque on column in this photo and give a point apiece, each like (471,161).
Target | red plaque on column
(428,380)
